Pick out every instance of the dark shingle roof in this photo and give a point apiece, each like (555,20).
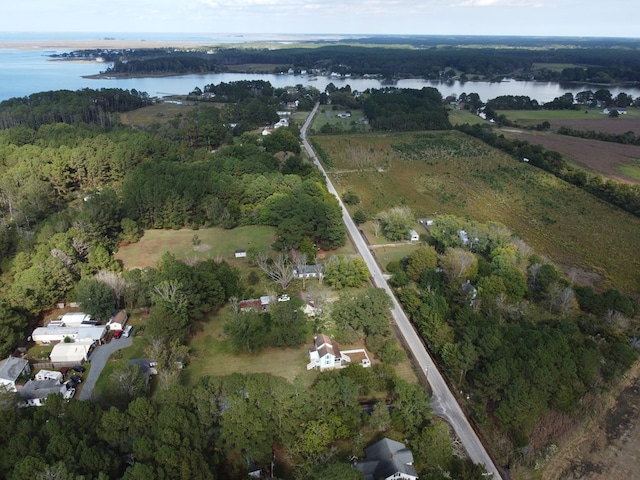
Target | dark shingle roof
(386,457)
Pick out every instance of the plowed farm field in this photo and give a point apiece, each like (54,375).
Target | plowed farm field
(607,158)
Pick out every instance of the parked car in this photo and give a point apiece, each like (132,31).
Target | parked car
(76,378)
(69,394)
(127,331)
(117,334)
(79,369)
(284,298)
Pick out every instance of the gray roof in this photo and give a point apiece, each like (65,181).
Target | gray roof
(385,458)
(12,367)
(41,388)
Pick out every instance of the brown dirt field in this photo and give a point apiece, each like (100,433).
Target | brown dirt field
(608,125)
(601,157)
(606,447)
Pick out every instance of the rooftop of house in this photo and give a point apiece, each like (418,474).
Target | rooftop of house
(41,388)
(12,367)
(325,345)
(385,458)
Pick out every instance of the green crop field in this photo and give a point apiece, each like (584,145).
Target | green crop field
(450,173)
(213,243)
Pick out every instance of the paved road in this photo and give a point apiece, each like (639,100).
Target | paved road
(443,402)
(99,359)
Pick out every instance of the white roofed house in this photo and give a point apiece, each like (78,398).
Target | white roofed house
(11,369)
(53,334)
(68,353)
(77,319)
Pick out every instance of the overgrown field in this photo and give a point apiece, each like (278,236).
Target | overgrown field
(201,244)
(451,173)
(583,119)
(158,113)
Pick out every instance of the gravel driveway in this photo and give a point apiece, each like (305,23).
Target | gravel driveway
(99,359)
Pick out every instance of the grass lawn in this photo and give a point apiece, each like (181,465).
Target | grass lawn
(214,243)
(632,171)
(387,254)
(533,117)
(459,116)
(211,354)
(451,173)
(327,115)
(120,358)
(157,113)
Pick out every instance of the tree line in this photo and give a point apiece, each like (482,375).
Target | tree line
(71,107)
(430,59)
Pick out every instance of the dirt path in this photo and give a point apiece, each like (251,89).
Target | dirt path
(607,446)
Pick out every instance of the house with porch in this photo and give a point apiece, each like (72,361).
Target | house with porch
(308,271)
(326,355)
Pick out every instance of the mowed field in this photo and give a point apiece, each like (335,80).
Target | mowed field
(213,243)
(451,173)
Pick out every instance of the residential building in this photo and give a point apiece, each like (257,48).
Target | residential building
(11,369)
(387,460)
(53,334)
(326,355)
(35,392)
(74,352)
(308,271)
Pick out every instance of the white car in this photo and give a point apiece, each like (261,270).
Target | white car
(68,395)
(284,298)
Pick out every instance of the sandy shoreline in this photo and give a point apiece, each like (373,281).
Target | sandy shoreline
(92,44)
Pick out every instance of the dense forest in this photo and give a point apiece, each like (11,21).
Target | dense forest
(423,57)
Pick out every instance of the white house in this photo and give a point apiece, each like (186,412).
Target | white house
(413,235)
(308,271)
(76,352)
(11,369)
(326,355)
(388,460)
(53,334)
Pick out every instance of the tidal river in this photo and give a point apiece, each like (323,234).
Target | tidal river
(23,72)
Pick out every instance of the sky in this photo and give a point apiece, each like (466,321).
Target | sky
(590,18)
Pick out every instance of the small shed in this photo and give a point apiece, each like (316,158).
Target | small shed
(241,253)
(118,321)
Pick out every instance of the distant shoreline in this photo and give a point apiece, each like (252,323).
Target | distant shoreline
(95,44)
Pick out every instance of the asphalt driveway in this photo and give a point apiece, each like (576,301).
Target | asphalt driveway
(98,360)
